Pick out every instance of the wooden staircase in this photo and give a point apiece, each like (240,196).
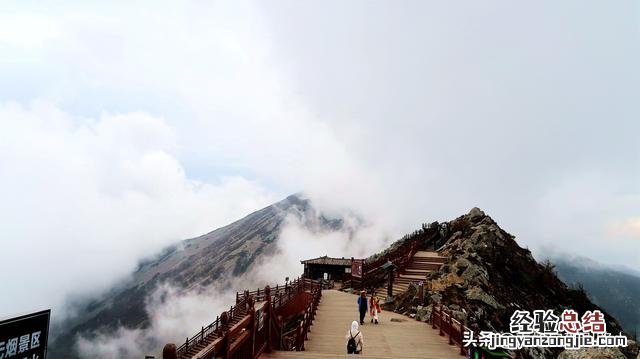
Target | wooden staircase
(238,313)
(421,263)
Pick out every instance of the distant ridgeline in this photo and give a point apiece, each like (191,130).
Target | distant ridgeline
(618,292)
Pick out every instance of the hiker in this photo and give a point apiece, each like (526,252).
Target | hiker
(374,307)
(362,306)
(355,340)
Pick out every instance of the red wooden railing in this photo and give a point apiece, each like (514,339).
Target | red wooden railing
(309,315)
(400,257)
(248,329)
(448,326)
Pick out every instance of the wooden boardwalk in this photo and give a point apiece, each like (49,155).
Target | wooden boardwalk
(406,338)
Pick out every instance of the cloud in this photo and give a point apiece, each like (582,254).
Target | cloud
(310,236)
(84,200)
(173,314)
(177,313)
(629,228)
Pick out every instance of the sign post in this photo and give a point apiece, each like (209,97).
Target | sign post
(356,268)
(25,337)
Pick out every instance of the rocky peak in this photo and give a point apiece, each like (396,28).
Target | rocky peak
(488,276)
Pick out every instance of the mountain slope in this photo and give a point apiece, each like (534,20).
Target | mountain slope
(616,291)
(488,276)
(194,263)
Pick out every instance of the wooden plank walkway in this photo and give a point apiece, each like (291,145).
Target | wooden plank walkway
(405,339)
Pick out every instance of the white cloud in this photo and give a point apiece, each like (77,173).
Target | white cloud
(629,228)
(82,202)
(28,31)
(173,314)
(305,237)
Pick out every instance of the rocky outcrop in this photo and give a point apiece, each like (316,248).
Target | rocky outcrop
(489,276)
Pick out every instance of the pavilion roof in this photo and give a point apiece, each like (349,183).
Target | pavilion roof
(328,261)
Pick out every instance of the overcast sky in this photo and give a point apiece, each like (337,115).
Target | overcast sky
(125,126)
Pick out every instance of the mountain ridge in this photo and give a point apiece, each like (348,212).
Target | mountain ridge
(488,276)
(189,264)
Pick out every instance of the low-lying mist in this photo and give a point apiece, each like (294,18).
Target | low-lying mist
(175,313)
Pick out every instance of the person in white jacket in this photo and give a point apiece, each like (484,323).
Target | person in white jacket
(355,333)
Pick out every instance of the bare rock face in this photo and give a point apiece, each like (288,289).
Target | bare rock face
(489,276)
(476,293)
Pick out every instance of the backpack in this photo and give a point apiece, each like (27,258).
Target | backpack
(351,344)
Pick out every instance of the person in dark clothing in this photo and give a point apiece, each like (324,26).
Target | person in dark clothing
(362,306)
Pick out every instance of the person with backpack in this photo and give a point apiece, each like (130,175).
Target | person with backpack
(355,340)
(362,306)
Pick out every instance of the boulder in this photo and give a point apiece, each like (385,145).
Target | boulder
(475,213)
(423,314)
(474,274)
(476,293)
(436,298)
(460,265)
(459,315)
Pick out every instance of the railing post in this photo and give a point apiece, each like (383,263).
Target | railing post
(224,320)
(440,315)
(268,317)
(450,329)
(202,334)
(298,333)
(301,340)
(431,318)
(252,325)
